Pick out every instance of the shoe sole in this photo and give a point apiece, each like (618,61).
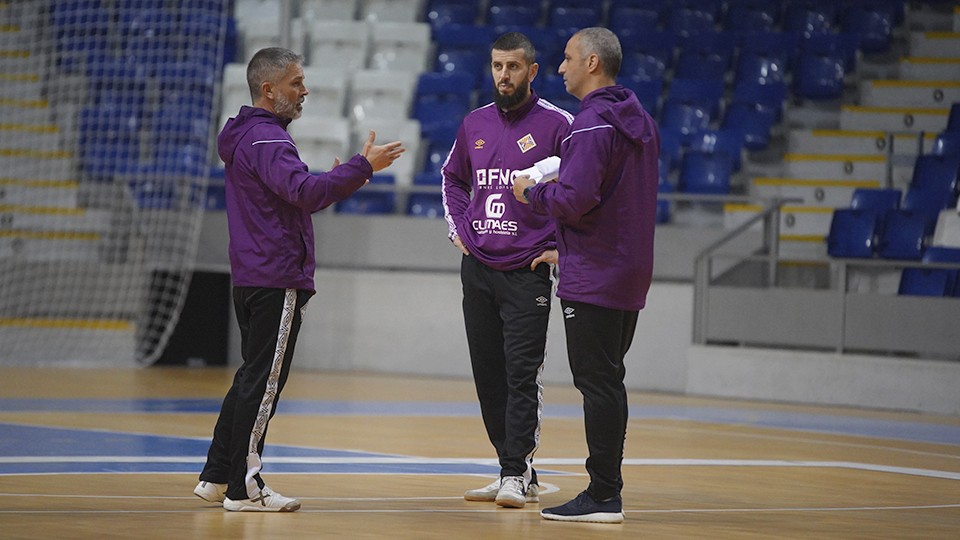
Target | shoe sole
(208,500)
(597,517)
(233,506)
(510,503)
(480,498)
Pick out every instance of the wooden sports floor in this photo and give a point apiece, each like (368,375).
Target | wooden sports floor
(93,453)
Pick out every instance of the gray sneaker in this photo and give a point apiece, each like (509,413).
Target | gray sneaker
(267,501)
(511,494)
(489,493)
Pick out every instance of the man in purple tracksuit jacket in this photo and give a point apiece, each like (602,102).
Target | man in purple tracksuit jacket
(270,198)
(604,203)
(506,291)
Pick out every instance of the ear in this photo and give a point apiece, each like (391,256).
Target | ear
(593,63)
(534,69)
(266,89)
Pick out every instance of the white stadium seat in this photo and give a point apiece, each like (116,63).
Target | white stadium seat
(399,46)
(381,94)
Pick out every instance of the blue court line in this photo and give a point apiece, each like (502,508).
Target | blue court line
(820,423)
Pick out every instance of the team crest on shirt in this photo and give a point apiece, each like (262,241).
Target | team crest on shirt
(478,144)
(526,143)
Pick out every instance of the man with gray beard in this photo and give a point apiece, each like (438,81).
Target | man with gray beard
(270,195)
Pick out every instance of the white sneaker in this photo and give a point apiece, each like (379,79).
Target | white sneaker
(211,492)
(511,494)
(267,501)
(484,494)
(489,493)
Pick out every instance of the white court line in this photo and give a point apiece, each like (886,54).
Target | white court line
(930,473)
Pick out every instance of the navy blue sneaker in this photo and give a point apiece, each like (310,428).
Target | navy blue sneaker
(586,508)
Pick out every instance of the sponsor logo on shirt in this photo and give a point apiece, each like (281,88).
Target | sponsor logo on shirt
(492,224)
(495,178)
(526,143)
(542,301)
(569,313)
(478,144)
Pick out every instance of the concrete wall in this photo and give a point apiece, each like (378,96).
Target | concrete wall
(401,313)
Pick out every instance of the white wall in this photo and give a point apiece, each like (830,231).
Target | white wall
(411,322)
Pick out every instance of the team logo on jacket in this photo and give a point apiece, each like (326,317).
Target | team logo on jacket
(526,143)
(478,144)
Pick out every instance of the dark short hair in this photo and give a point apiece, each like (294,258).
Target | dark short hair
(605,45)
(512,41)
(268,65)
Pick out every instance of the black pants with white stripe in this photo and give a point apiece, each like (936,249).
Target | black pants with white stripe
(597,341)
(506,315)
(269,321)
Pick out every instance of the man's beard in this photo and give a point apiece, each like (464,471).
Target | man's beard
(507,102)
(285,108)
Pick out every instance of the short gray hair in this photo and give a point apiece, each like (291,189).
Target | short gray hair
(268,65)
(605,45)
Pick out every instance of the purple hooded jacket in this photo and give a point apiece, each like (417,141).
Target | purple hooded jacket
(270,198)
(605,201)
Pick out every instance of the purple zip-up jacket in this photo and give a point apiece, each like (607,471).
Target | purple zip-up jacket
(605,201)
(491,146)
(270,199)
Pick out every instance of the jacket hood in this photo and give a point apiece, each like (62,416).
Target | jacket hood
(237,127)
(620,107)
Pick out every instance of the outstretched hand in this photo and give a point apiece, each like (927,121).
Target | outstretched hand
(381,156)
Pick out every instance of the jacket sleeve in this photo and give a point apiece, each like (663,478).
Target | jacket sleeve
(286,175)
(457,185)
(578,190)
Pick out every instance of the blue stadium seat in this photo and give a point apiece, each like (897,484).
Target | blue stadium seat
(690,18)
(705,92)
(442,98)
(728,142)
(928,201)
(947,143)
(643,66)
(625,20)
(428,205)
(707,173)
(819,77)
(953,121)
(501,13)
(932,281)
(808,17)
(648,91)
(427,178)
(875,199)
(873,22)
(369,201)
(768,98)
(685,117)
(760,68)
(436,154)
(842,45)
(568,15)
(442,13)
(752,16)
(463,49)
(852,233)
(752,120)
(671,147)
(902,235)
(701,64)
(936,172)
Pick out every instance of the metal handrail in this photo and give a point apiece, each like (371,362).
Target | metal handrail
(701,277)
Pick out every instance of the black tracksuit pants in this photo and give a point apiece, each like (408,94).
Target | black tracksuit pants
(506,315)
(269,321)
(597,341)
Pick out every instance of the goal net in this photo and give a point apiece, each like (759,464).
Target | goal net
(106,138)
